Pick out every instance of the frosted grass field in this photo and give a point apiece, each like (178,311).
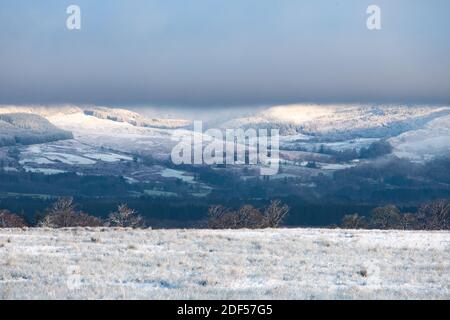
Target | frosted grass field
(222,264)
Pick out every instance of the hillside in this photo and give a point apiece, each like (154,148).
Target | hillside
(112,114)
(25,128)
(133,118)
(322,149)
(340,122)
(431,140)
(223,264)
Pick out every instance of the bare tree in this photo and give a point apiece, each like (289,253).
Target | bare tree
(86,220)
(63,214)
(354,221)
(387,217)
(125,217)
(249,217)
(246,216)
(11,220)
(275,213)
(409,221)
(435,215)
(216,216)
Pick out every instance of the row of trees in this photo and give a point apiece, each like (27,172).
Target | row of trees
(434,215)
(63,214)
(247,216)
(374,150)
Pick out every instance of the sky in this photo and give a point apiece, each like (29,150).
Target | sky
(217,53)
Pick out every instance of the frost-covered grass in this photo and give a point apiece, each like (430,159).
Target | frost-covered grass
(189,264)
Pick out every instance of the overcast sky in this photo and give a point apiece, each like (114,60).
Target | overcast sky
(224,52)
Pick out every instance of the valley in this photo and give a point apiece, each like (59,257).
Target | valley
(326,152)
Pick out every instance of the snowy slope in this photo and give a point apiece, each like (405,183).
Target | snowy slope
(124,136)
(224,264)
(43,111)
(416,132)
(133,118)
(425,143)
(25,128)
(113,128)
(113,114)
(342,121)
(121,136)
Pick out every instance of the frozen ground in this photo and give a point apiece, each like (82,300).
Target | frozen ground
(188,264)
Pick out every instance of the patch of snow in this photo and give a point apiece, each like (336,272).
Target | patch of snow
(159,193)
(34,149)
(130,180)
(68,158)
(44,170)
(172,173)
(39,160)
(334,166)
(108,157)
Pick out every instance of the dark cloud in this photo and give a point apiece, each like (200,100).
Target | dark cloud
(215,53)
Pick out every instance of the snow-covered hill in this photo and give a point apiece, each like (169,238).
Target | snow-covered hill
(430,141)
(308,126)
(112,114)
(133,118)
(117,135)
(416,132)
(223,264)
(114,128)
(339,122)
(26,128)
(43,111)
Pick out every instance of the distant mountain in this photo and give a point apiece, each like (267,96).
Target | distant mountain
(26,128)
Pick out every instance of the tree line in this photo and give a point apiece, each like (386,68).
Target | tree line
(434,215)
(63,213)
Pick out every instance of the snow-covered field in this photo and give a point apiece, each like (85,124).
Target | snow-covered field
(189,264)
